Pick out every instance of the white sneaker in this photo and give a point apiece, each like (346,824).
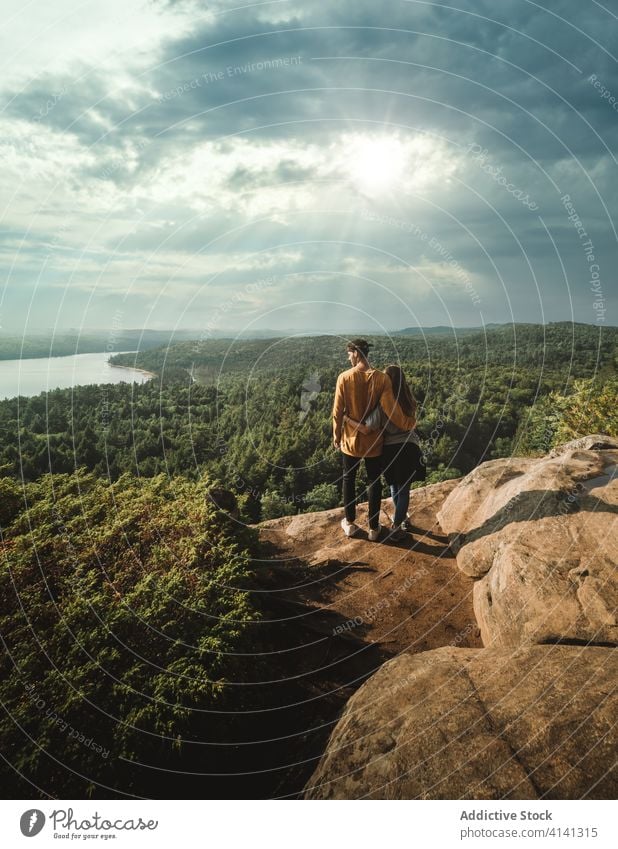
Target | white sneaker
(349,528)
(374,535)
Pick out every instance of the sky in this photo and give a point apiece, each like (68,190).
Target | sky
(307,167)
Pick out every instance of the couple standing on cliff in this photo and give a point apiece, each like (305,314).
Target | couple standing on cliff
(374,416)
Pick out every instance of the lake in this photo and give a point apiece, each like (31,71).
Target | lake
(29,377)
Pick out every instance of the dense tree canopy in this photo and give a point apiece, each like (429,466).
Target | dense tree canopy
(256,413)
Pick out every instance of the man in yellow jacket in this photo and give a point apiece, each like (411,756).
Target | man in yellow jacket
(358,391)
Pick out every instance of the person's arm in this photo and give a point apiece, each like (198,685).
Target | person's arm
(359,426)
(338,410)
(393,410)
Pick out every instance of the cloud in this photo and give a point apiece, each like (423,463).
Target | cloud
(150,146)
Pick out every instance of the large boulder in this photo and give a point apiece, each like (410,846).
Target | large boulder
(540,534)
(478,724)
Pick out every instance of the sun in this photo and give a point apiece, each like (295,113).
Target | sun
(376,164)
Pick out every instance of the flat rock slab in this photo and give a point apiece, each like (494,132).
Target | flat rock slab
(540,534)
(478,724)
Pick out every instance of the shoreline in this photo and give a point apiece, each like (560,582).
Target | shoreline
(150,374)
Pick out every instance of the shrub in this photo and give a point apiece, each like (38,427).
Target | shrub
(123,619)
(324,496)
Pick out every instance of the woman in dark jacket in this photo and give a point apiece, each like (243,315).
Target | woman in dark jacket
(402,457)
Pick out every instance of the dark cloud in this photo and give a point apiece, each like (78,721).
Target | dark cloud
(511,79)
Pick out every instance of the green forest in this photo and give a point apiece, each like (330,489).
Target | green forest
(135,630)
(255,414)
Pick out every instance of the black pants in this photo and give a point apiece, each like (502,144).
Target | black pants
(373,467)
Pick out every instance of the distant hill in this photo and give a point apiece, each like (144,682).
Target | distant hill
(72,341)
(66,344)
(443,329)
(438,330)
(538,346)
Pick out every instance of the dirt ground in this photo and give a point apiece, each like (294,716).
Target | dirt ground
(402,596)
(333,611)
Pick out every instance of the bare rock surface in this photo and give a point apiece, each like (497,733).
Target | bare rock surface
(541,535)
(478,724)
(530,569)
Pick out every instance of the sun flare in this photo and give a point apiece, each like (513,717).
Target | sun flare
(377,164)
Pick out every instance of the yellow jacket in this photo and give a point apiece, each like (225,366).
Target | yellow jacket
(356,394)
